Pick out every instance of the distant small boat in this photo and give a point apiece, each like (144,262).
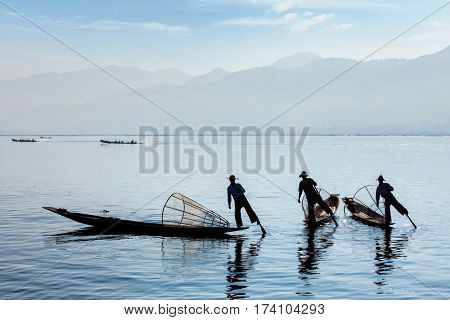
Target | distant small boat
(118,142)
(24,140)
(43,138)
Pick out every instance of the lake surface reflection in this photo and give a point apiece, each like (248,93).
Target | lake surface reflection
(45,256)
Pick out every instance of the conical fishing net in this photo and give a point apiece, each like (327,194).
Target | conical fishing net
(331,200)
(181,210)
(366,195)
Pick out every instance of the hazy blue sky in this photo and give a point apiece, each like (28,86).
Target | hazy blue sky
(198,35)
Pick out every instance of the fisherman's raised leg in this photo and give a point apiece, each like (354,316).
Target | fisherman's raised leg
(250,212)
(325,207)
(399,207)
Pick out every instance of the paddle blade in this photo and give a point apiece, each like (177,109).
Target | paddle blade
(263,230)
(412,222)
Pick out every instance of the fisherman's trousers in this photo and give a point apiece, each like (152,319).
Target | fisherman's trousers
(389,201)
(242,202)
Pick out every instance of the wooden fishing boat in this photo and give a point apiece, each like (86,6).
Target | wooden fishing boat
(116,225)
(181,217)
(118,142)
(321,217)
(363,213)
(364,208)
(24,140)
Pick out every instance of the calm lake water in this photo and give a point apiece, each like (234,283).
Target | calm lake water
(43,256)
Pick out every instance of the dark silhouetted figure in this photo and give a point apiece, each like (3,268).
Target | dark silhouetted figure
(385,190)
(308,186)
(240,201)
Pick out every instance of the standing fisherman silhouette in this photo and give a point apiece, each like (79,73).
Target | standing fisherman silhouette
(308,186)
(240,201)
(385,190)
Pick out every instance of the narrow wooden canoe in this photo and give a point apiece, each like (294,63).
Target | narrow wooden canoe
(116,225)
(363,213)
(118,142)
(24,140)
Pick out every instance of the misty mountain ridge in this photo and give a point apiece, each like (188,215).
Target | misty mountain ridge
(295,60)
(394,96)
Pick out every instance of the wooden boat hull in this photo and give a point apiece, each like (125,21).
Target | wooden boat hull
(116,225)
(23,140)
(321,217)
(364,214)
(115,142)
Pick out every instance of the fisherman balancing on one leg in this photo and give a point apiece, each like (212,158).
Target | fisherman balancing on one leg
(308,186)
(385,190)
(240,201)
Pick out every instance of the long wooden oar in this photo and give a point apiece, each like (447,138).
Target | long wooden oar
(412,222)
(334,220)
(262,229)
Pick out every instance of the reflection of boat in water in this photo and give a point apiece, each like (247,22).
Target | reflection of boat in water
(184,259)
(239,266)
(387,250)
(310,255)
(84,235)
(181,216)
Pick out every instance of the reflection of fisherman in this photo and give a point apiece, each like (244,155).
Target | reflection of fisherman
(308,186)
(385,190)
(239,266)
(240,201)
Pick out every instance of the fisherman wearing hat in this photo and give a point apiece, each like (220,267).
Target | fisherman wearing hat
(240,201)
(308,186)
(385,190)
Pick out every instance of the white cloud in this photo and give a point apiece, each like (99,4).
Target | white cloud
(290,21)
(432,35)
(342,26)
(114,25)
(287,19)
(285,5)
(308,13)
(439,24)
(439,33)
(304,25)
(9,13)
(281,6)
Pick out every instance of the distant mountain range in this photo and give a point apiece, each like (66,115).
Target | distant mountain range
(393,96)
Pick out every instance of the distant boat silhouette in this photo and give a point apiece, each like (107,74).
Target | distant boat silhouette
(119,142)
(23,140)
